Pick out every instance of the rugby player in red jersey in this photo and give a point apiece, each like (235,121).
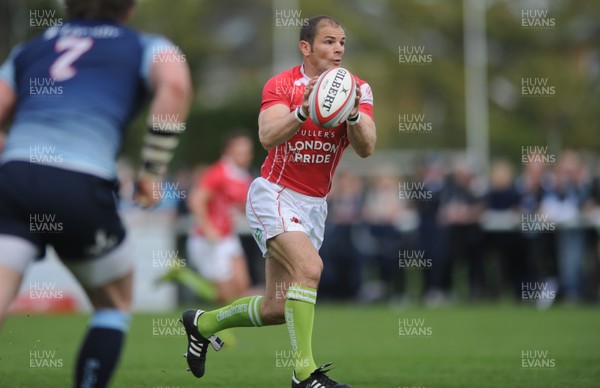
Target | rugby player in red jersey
(213,246)
(286,206)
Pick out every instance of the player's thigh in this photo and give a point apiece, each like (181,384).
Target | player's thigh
(19,246)
(297,254)
(15,256)
(108,278)
(116,294)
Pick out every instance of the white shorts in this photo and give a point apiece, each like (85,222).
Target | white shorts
(214,259)
(273,209)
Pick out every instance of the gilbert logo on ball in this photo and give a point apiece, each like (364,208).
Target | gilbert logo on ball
(332,98)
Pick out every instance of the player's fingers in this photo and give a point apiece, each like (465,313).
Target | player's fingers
(357,98)
(358,92)
(306,95)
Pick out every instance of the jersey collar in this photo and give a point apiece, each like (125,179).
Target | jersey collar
(305,78)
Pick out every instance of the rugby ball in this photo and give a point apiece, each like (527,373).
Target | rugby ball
(332,98)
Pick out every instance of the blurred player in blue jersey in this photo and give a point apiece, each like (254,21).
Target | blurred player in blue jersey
(71,93)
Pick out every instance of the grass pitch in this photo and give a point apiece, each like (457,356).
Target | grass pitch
(375,347)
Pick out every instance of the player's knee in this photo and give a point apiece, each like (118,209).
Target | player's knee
(311,272)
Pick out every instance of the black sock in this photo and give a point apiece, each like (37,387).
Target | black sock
(98,357)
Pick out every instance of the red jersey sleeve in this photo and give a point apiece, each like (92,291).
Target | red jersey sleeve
(275,92)
(366,99)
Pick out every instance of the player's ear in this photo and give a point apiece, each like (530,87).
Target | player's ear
(305,48)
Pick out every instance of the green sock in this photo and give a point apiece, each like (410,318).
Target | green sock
(243,312)
(299,316)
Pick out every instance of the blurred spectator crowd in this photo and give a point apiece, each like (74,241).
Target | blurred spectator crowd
(466,236)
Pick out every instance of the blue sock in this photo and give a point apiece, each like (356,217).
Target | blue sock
(101,348)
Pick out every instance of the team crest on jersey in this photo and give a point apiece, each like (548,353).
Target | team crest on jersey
(295,220)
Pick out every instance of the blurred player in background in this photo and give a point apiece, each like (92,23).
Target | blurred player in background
(213,247)
(59,160)
(286,206)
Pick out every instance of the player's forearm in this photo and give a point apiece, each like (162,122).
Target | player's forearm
(168,111)
(273,132)
(363,136)
(198,204)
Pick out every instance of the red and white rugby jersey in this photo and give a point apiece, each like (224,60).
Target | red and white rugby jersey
(307,161)
(229,186)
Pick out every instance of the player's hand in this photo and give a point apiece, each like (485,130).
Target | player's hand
(147,193)
(354,110)
(309,87)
